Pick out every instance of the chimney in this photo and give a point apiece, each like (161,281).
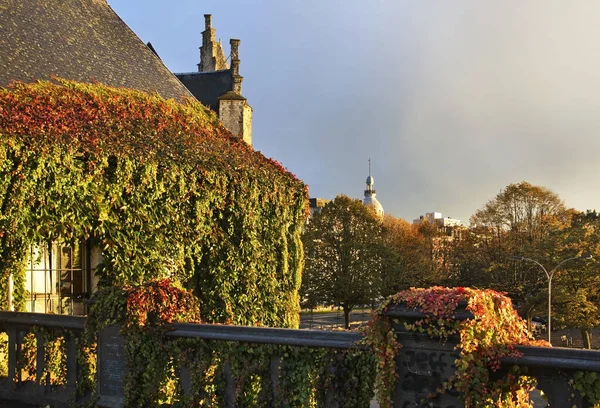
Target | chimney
(235,46)
(235,66)
(207,21)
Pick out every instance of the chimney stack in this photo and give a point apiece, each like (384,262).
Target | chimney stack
(207,21)
(235,45)
(235,65)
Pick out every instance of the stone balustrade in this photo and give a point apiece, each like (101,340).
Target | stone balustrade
(422,363)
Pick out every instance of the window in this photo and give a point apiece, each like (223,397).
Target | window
(59,278)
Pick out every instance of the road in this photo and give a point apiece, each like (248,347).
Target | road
(328,321)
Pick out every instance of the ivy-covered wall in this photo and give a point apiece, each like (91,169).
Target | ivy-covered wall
(161,187)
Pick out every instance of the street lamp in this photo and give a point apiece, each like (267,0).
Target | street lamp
(549,275)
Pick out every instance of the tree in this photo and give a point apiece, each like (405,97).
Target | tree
(518,221)
(342,246)
(408,255)
(579,288)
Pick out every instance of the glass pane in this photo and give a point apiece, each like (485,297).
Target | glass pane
(56,281)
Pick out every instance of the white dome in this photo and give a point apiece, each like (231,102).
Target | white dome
(370,180)
(372,201)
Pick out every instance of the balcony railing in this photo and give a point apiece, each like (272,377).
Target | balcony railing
(40,390)
(422,362)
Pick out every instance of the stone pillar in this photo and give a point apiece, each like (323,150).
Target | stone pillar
(235,66)
(423,363)
(235,45)
(112,367)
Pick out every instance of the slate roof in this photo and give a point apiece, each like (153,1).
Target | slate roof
(207,87)
(81,40)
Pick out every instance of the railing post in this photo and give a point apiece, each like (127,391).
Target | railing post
(330,398)
(555,385)
(72,363)
(230,383)
(423,363)
(183,373)
(112,367)
(12,355)
(40,356)
(19,354)
(274,372)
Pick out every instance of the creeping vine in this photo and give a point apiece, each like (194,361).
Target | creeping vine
(160,187)
(485,339)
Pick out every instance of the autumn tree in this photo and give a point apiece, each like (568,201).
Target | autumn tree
(578,287)
(342,246)
(409,255)
(518,221)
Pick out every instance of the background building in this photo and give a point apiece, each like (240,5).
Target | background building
(436,218)
(317,204)
(218,85)
(370,194)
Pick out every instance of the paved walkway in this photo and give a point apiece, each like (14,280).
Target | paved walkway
(573,335)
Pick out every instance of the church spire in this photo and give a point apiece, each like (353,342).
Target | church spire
(370,191)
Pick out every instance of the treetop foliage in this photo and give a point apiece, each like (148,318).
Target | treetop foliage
(522,207)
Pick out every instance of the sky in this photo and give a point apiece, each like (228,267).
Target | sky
(451,100)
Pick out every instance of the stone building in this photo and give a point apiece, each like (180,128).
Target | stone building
(317,204)
(80,40)
(219,85)
(84,41)
(436,218)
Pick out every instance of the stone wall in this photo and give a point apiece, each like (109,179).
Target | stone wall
(236,115)
(247,127)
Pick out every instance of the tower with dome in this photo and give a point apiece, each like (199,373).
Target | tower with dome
(370,194)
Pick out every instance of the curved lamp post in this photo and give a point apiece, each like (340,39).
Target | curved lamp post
(549,275)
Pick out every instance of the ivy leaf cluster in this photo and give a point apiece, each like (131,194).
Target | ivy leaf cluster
(161,187)
(306,377)
(485,339)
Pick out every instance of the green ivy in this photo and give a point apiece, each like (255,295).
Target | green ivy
(588,385)
(308,377)
(161,187)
